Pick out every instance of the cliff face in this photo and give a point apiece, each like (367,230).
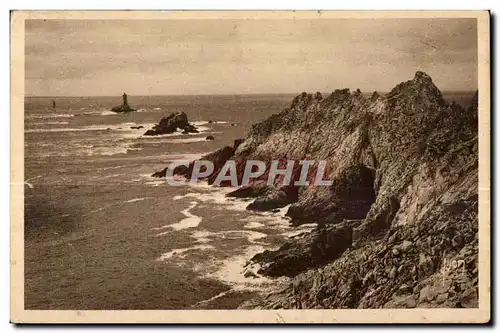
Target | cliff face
(398,227)
(400,221)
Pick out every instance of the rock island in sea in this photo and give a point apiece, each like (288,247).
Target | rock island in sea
(124,107)
(171,124)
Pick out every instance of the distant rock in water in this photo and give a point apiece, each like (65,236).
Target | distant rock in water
(210,138)
(136,127)
(124,107)
(171,124)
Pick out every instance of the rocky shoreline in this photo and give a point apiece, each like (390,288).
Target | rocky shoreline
(403,201)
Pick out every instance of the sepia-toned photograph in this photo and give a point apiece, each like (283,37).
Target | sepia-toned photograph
(182,163)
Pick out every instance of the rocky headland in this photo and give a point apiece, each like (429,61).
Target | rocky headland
(173,123)
(398,226)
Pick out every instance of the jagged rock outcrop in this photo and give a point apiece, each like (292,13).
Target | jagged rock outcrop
(302,253)
(171,124)
(403,202)
(407,161)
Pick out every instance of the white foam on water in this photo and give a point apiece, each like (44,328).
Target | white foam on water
(156,137)
(106,177)
(78,129)
(50,115)
(83,128)
(30,185)
(123,128)
(253,225)
(138,199)
(90,150)
(205,122)
(107,151)
(202,129)
(155,183)
(191,220)
(187,140)
(217,197)
(100,209)
(254,236)
(202,236)
(157,109)
(107,113)
(51,123)
(172,138)
(232,271)
(180,253)
(199,122)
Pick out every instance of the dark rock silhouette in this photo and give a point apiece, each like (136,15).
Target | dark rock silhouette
(172,123)
(210,138)
(136,127)
(124,107)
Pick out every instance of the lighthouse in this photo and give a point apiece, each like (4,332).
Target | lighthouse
(124,107)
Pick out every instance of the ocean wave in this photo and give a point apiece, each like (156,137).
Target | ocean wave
(50,115)
(64,129)
(101,112)
(138,199)
(124,128)
(88,150)
(51,123)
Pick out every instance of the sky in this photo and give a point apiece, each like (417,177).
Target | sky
(245,56)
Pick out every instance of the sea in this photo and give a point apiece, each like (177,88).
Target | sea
(101,233)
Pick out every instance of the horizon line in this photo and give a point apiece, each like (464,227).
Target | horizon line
(233,94)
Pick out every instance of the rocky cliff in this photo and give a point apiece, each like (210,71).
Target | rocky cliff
(398,227)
